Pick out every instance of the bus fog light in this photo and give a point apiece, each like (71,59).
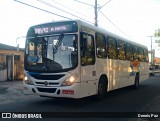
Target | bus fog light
(71,80)
(27,80)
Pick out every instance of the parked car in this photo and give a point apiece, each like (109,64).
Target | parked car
(151,72)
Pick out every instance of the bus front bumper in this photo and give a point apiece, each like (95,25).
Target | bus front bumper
(58,91)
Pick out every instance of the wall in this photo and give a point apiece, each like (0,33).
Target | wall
(3,75)
(14,65)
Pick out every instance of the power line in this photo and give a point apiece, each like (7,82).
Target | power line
(114,25)
(42,9)
(97,9)
(70,14)
(71,9)
(84,3)
(110,20)
(104,4)
(46,3)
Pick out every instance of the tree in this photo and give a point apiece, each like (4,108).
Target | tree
(157,34)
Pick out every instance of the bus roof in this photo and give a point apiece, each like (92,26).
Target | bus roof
(106,32)
(97,29)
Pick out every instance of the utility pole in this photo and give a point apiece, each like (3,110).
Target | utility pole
(151,51)
(96,13)
(151,41)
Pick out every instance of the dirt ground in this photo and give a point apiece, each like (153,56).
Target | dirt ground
(11,91)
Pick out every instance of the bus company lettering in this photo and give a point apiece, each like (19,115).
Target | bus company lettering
(135,63)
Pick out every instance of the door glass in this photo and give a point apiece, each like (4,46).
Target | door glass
(87,49)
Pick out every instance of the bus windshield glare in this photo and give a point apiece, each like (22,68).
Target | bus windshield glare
(53,53)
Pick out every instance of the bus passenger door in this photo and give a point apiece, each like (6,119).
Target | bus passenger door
(88,71)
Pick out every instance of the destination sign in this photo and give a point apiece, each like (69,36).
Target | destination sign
(55,28)
(46,30)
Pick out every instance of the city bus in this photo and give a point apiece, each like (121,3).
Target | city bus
(74,59)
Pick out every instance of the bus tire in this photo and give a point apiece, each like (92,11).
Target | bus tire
(102,88)
(136,83)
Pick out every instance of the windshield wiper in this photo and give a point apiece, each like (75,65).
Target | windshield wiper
(55,49)
(58,44)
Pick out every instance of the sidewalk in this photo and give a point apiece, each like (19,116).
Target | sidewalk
(157,71)
(11,86)
(12,91)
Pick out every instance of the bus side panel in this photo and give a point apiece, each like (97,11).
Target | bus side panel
(144,71)
(88,81)
(101,69)
(126,77)
(113,74)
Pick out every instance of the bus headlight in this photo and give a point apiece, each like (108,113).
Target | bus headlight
(71,80)
(27,80)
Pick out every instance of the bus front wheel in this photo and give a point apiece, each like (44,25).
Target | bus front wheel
(102,88)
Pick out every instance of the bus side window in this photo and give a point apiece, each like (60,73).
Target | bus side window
(135,52)
(101,49)
(121,50)
(141,53)
(87,49)
(112,48)
(129,52)
(146,55)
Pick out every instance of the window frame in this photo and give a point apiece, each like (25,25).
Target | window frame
(115,47)
(82,55)
(120,42)
(130,52)
(135,51)
(146,58)
(141,54)
(104,43)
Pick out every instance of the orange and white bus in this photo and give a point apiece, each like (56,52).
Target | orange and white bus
(74,59)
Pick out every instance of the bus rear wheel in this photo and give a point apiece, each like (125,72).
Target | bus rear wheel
(136,83)
(102,89)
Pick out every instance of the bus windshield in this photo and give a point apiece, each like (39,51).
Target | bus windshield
(54,53)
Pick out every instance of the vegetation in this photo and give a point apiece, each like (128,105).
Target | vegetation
(157,34)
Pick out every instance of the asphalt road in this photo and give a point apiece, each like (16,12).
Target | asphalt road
(145,99)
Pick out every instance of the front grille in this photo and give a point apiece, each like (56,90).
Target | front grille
(49,84)
(48,90)
(47,77)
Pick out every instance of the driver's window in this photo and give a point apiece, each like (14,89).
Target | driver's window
(87,49)
(31,49)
